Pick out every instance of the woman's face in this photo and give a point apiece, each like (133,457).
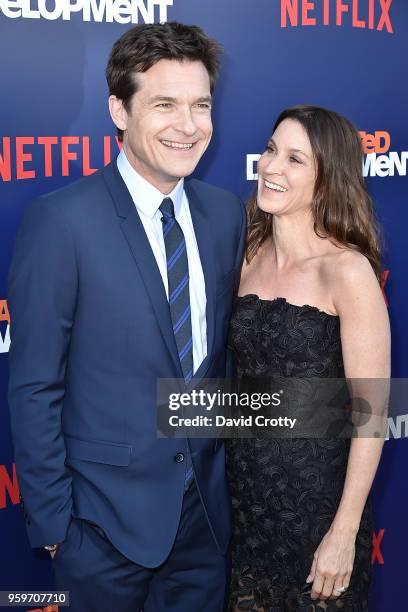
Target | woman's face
(286,171)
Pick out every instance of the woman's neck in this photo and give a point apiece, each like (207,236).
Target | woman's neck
(294,239)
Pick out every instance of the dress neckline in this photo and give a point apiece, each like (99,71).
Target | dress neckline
(284,301)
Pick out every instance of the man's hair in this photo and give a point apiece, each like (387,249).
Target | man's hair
(144,45)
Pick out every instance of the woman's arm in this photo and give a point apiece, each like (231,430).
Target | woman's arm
(365,338)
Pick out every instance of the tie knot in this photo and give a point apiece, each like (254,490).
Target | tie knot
(167,209)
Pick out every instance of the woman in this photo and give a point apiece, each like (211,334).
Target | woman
(309,305)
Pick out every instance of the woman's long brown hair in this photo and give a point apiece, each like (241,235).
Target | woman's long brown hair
(342,208)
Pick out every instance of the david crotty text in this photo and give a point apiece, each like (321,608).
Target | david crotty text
(222,421)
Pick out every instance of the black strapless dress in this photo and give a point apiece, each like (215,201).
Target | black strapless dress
(285,492)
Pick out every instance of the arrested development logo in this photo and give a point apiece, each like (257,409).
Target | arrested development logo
(397,426)
(4,327)
(119,11)
(370,14)
(378,159)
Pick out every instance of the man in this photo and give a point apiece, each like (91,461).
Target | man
(118,280)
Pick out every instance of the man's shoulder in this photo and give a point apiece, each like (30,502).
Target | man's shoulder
(78,194)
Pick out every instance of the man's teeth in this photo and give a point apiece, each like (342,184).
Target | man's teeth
(176,145)
(274,186)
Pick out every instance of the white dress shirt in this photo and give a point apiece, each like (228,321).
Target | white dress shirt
(147,200)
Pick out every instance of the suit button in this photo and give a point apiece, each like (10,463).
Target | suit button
(179,458)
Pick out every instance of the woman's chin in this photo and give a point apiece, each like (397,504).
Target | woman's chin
(273,208)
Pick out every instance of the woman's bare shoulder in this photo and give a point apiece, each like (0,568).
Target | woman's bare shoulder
(346,265)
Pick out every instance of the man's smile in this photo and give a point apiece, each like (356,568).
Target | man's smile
(171,144)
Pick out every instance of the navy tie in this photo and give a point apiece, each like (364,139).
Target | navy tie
(179,296)
(178,282)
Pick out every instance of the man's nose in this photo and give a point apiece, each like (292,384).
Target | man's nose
(186,123)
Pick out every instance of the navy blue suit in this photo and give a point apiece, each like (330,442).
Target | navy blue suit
(91,333)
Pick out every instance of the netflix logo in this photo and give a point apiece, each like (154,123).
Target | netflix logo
(376,554)
(54,155)
(9,489)
(364,14)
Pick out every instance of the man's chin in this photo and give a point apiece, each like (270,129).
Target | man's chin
(181,170)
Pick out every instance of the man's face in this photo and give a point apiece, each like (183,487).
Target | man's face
(168,126)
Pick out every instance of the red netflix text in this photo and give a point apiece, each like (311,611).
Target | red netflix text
(370,14)
(376,555)
(16,155)
(9,489)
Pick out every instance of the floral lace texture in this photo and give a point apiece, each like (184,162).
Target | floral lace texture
(285,492)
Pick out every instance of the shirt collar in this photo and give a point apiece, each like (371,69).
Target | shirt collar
(146,197)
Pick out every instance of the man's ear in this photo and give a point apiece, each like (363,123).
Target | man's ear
(118,112)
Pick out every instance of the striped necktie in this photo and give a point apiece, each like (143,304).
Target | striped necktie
(178,281)
(179,299)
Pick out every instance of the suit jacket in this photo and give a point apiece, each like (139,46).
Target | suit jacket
(91,333)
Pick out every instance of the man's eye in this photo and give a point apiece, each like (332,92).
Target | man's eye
(295,159)
(203,105)
(270,149)
(163,105)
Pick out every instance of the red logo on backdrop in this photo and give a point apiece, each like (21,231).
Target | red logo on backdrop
(379,142)
(9,488)
(17,155)
(371,14)
(4,327)
(376,555)
(4,312)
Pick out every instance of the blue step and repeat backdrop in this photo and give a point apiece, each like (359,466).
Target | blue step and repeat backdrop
(347,55)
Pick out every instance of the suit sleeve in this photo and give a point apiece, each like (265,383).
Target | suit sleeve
(42,290)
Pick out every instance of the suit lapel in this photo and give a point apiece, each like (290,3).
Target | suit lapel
(202,231)
(139,245)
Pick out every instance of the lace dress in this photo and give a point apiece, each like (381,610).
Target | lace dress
(285,492)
